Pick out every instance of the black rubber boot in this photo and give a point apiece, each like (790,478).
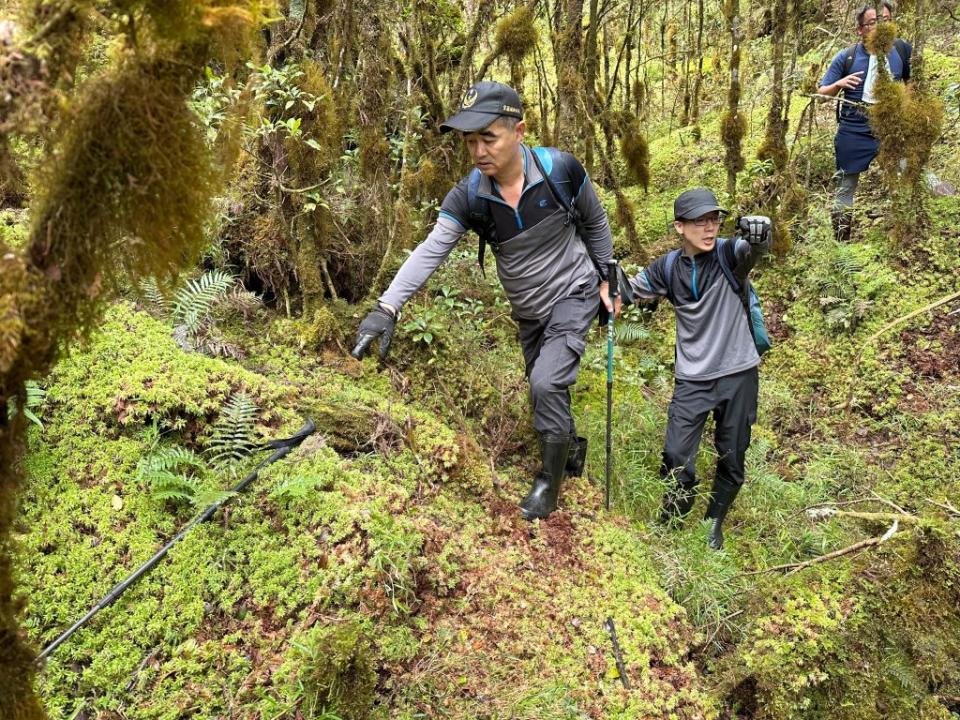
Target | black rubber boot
(842,222)
(677,504)
(577,457)
(543,495)
(721,500)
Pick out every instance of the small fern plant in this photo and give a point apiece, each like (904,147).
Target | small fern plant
(194,301)
(234,432)
(32,400)
(172,473)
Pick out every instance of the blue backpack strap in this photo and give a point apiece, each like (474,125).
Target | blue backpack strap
(564,177)
(668,264)
(480,220)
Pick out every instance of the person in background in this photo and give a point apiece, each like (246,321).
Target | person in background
(853,72)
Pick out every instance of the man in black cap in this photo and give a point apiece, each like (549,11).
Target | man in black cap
(716,356)
(539,213)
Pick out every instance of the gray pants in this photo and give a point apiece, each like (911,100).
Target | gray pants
(552,348)
(846,187)
(733,401)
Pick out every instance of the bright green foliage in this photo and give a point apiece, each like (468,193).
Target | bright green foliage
(333,670)
(171,474)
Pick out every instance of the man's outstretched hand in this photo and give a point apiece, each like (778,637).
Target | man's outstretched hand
(755,229)
(379,323)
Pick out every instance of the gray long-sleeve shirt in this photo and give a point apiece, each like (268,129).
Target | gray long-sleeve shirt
(713,335)
(533,281)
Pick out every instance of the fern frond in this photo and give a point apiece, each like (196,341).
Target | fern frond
(166,485)
(209,497)
(169,459)
(233,434)
(193,302)
(157,303)
(627,332)
(293,488)
(241,301)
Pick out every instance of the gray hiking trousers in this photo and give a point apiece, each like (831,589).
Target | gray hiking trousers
(552,348)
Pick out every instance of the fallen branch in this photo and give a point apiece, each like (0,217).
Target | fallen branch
(856,547)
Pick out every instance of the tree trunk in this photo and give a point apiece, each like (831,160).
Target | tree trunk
(569,78)
(733,125)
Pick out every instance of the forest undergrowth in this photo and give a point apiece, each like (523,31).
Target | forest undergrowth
(382,570)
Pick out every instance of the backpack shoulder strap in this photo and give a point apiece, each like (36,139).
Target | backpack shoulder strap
(904,50)
(848,56)
(725,268)
(480,219)
(668,262)
(550,163)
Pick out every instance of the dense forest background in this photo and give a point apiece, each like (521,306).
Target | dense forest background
(200,200)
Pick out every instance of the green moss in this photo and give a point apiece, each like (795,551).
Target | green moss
(516,35)
(636,153)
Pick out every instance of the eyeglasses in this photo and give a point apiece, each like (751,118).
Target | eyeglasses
(707,220)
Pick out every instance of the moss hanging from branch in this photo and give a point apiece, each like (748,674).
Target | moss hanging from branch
(906,121)
(126,189)
(636,153)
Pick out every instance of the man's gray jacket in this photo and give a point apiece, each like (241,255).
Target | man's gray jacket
(540,258)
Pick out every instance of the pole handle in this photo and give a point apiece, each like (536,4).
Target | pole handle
(612,278)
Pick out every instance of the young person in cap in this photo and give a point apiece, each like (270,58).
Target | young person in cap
(716,358)
(853,72)
(551,268)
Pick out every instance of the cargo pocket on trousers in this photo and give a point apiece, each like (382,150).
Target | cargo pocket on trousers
(576,345)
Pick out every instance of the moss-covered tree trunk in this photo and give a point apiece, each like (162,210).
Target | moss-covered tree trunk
(733,125)
(570,81)
(695,101)
(130,162)
(592,60)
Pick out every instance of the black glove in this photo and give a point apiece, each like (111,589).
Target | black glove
(379,323)
(755,229)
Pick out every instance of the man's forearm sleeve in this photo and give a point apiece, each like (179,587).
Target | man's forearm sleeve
(595,225)
(423,261)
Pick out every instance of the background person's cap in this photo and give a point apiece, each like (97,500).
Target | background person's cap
(484,103)
(692,204)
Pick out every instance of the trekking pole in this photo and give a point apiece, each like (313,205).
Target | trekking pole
(281,448)
(617,653)
(612,294)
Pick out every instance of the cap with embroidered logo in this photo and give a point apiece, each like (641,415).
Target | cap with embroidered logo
(483,104)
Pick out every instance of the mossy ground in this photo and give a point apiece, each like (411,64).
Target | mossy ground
(392,536)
